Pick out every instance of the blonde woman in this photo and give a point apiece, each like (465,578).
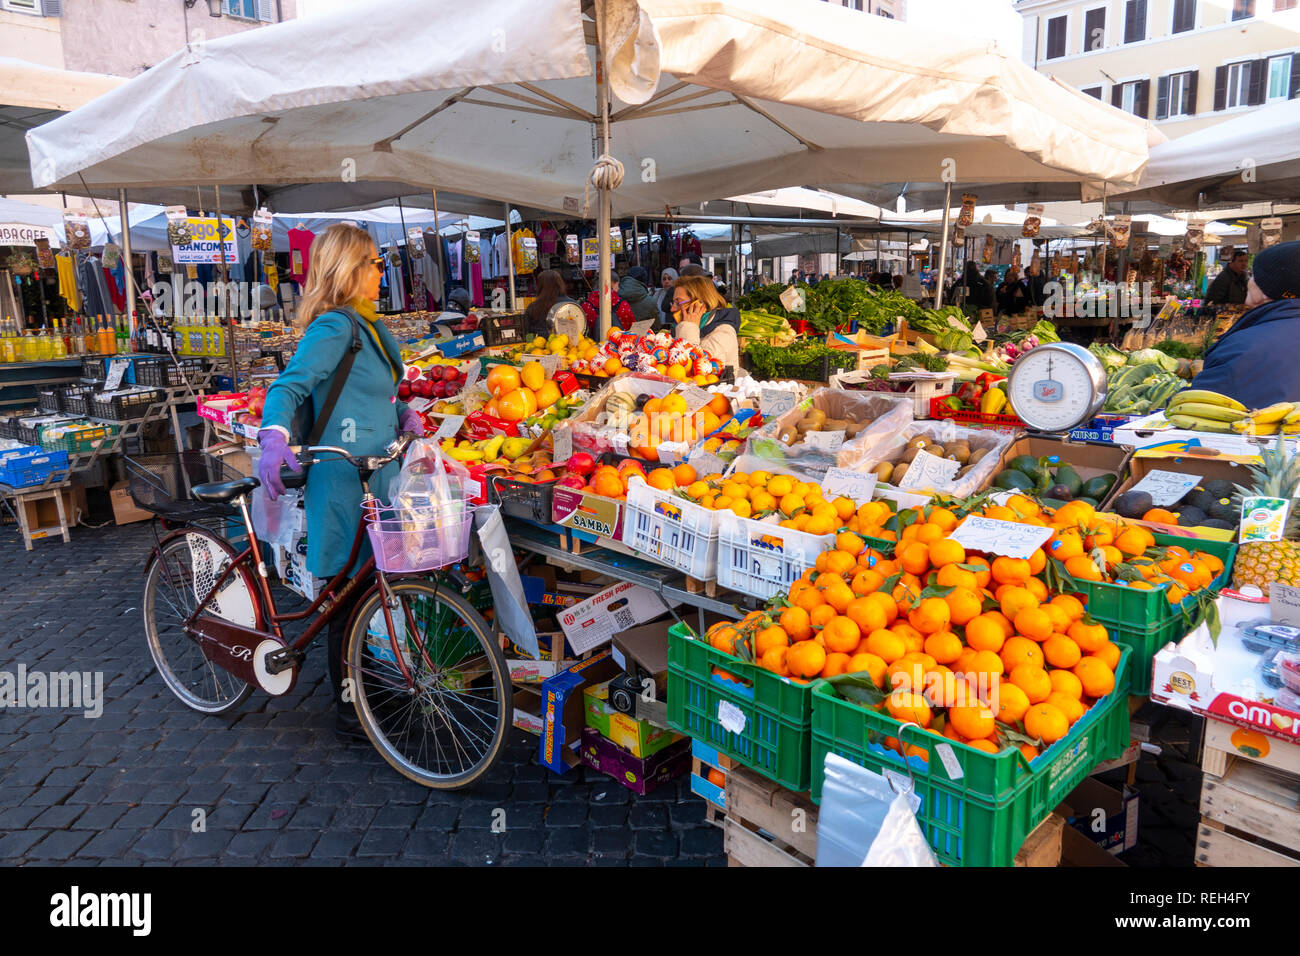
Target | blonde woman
(704,319)
(338,312)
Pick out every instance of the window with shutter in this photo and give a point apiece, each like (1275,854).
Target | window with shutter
(1295,76)
(1180,98)
(1117,95)
(1279,78)
(1094,92)
(1162,97)
(266,10)
(1184,16)
(1190,93)
(1056,37)
(1237,86)
(1142,98)
(1094,29)
(1243,9)
(22,6)
(1135,21)
(52,8)
(1280,5)
(1258,82)
(1221,88)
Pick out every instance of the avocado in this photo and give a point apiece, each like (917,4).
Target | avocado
(1027,465)
(1224,510)
(1200,498)
(1067,476)
(1097,487)
(1088,501)
(642,399)
(1220,488)
(1132,504)
(1060,492)
(1190,516)
(1013,479)
(1217,523)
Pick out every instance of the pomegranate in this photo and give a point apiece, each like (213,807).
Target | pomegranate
(581,463)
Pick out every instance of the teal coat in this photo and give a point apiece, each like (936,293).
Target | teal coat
(364,421)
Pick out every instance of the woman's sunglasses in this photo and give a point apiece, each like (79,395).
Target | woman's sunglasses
(679,305)
(379,262)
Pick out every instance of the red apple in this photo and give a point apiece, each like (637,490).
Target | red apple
(404,391)
(581,464)
(450,373)
(573,481)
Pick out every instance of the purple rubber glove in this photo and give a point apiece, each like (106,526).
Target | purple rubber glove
(411,422)
(275,452)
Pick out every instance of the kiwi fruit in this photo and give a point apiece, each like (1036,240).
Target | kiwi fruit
(835,425)
(918,442)
(884,471)
(788,436)
(815,418)
(976,455)
(960,453)
(907,456)
(937,450)
(899,472)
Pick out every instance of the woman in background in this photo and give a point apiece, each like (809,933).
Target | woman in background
(705,319)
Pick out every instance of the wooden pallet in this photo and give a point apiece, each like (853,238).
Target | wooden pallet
(1220,751)
(1250,816)
(707,588)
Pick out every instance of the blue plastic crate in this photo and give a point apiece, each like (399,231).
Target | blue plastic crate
(31,468)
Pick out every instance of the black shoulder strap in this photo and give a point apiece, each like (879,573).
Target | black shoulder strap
(340,379)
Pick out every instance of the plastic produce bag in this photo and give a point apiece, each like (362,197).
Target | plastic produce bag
(274,522)
(428,506)
(868,820)
(945,432)
(881,416)
(511,606)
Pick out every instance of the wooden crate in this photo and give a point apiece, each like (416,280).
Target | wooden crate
(1250,816)
(1221,752)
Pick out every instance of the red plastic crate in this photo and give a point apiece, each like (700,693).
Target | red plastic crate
(974,419)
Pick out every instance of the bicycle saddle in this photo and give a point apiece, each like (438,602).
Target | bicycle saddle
(222,491)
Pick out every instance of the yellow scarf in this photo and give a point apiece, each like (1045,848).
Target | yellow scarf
(366,309)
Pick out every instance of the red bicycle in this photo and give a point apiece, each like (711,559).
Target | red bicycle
(423,668)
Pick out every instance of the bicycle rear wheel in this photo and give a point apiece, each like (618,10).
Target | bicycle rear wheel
(445,727)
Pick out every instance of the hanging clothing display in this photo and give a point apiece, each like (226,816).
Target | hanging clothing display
(299,247)
(454,251)
(523,250)
(500,247)
(67,270)
(97,301)
(547,239)
(116,293)
(476,283)
(243,252)
(432,276)
(396,284)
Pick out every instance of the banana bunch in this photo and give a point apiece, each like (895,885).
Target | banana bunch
(496,448)
(1207,411)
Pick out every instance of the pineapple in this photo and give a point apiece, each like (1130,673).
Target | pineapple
(1262,562)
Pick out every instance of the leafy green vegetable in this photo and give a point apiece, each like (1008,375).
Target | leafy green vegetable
(776,361)
(1179,349)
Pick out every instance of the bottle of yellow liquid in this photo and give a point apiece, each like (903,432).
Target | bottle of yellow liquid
(9,344)
(59,347)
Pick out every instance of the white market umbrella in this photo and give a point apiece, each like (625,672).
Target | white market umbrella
(499,99)
(1250,158)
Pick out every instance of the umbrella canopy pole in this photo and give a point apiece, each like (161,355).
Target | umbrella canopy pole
(126,252)
(442,266)
(943,246)
(225,284)
(602,222)
(510,259)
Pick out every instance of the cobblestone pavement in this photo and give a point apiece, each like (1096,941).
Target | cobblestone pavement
(274,784)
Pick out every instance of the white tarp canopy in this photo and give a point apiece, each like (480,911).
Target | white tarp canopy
(1251,158)
(498,99)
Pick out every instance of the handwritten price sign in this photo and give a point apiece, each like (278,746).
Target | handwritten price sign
(1000,537)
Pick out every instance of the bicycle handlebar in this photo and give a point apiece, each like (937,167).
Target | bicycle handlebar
(307,456)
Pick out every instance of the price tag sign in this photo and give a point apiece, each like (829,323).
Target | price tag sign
(706,464)
(642,327)
(794,300)
(472,374)
(775,402)
(450,426)
(549,363)
(731,717)
(420,404)
(903,499)
(590,255)
(1263,519)
(696,398)
(827,442)
(949,761)
(671,452)
(928,471)
(1167,488)
(1000,537)
(1284,604)
(858,486)
(117,368)
(978,334)
(562,436)
(955,323)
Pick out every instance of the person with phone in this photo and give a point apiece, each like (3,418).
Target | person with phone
(704,319)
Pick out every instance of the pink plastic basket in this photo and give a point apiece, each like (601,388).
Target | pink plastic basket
(420,539)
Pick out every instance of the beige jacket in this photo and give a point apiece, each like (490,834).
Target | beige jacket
(721,343)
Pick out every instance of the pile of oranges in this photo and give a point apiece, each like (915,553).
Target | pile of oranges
(666,420)
(785,500)
(972,647)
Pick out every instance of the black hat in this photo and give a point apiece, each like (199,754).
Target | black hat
(1277,271)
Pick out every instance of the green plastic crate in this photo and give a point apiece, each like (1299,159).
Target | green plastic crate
(983,817)
(776,735)
(1144,620)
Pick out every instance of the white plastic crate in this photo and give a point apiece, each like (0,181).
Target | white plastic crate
(763,559)
(671,530)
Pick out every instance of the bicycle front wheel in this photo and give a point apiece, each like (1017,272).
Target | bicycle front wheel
(444,727)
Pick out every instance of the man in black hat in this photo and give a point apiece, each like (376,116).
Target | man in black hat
(1254,361)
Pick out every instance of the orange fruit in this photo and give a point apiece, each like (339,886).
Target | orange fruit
(1160,516)
(822,615)
(1108,653)
(983,576)
(984,744)
(964,605)
(1033,623)
(915,558)
(909,708)
(1071,605)
(930,616)
(606,485)
(849,542)
(1016,599)
(1046,722)
(841,635)
(684,474)
(987,664)
(805,659)
(1064,682)
(865,581)
(1134,541)
(906,676)
(946,551)
(886,645)
(1010,570)
(974,721)
(1037,588)
(928,533)
(913,640)
(965,659)
(887,604)
(1060,651)
(775,661)
(1083,568)
(1089,637)
(661,478)
(866,614)
(724,638)
(1037,561)
(1029,750)
(1020,650)
(836,562)
(835,664)
(942,687)
(1097,679)
(983,633)
(796,623)
(1210,561)
(1065,545)
(502,379)
(866,663)
(839,595)
(943,646)
(768,638)
(1070,706)
(717,777)
(952,576)
(1008,629)
(1033,680)
(1012,702)
(1061,621)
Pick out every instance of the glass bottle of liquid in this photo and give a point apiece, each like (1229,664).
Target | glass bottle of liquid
(79,338)
(67,338)
(59,341)
(123,337)
(7,346)
(106,338)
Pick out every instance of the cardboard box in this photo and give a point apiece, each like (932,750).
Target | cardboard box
(611,611)
(1078,850)
(637,737)
(1106,816)
(584,511)
(124,508)
(461,344)
(638,774)
(1209,467)
(563,716)
(527,712)
(1090,459)
(528,670)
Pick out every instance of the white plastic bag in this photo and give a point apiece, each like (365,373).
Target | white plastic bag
(868,820)
(511,615)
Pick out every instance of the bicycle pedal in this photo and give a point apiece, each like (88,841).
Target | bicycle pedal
(282,660)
